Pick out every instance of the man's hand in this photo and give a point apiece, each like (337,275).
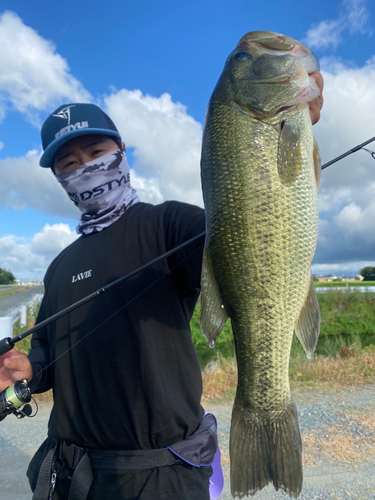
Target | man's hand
(14,366)
(316,104)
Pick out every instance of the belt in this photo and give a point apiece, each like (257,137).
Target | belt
(117,460)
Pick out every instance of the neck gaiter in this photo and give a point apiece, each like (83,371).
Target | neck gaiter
(101,190)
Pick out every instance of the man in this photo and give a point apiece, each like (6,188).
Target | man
(123,369)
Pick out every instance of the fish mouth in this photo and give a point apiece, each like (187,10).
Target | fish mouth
(249,111)
(284,108)
(262,114)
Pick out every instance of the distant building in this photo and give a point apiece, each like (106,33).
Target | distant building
(328,279)
(324,279)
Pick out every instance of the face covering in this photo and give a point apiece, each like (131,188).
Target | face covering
(101,190)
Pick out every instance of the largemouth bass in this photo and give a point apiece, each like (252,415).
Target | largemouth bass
(260,168)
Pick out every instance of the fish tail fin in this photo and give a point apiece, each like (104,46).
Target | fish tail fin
(262,453)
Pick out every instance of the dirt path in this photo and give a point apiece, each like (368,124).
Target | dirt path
(338,432)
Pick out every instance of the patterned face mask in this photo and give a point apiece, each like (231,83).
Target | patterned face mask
(101,190)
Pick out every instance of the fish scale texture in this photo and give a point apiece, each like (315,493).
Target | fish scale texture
(261,237)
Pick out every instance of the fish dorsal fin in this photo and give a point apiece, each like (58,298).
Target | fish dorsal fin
(213,314)
(307,326)
(289,161)
(317,164)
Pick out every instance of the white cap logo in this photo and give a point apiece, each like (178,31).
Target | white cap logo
(65,113)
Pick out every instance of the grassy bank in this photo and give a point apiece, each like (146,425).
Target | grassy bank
(32,312)
(345,354)
(7,293)
(348,319)
(351,368)
(338,284)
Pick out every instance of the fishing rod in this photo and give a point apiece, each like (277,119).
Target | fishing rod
(357,148)
(8,343)
(16,396)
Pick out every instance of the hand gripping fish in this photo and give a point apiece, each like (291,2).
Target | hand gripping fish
(260,170)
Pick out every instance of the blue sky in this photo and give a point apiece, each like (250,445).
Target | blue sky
(152,66)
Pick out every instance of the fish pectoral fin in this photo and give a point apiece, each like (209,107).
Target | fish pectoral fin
(317,164)
(289,160)
(307,326)
(213,314)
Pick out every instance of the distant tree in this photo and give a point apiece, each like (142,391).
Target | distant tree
(368,273)
(6,277)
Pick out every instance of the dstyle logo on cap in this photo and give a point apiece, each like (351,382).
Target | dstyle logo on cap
(81,119)
(65,113)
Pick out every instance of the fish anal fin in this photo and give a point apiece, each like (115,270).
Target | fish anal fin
(307,326)
(213,314)
(289,161)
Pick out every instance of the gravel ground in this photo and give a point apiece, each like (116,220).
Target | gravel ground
(338,431)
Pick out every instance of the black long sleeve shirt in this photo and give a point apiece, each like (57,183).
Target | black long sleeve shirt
(124,374)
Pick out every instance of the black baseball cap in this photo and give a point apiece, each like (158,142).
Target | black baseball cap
(69,121)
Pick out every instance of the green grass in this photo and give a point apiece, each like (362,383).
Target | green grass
(32,312)
(7,293)
(336,284)
(348,322)
(348,325)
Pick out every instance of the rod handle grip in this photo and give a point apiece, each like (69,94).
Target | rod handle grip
(6,345)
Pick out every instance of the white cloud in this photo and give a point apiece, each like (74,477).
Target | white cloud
(347,120)
(353,17)
(52,240)
(166,142)
(29,260)
(356,15)
(358,222)
(33,76)
(25,184)
(347,194)
(1,145)
(325,34)
(342,269)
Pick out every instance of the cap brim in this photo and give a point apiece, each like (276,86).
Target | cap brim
(48,156)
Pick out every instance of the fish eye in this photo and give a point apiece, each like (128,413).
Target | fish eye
(242,55)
